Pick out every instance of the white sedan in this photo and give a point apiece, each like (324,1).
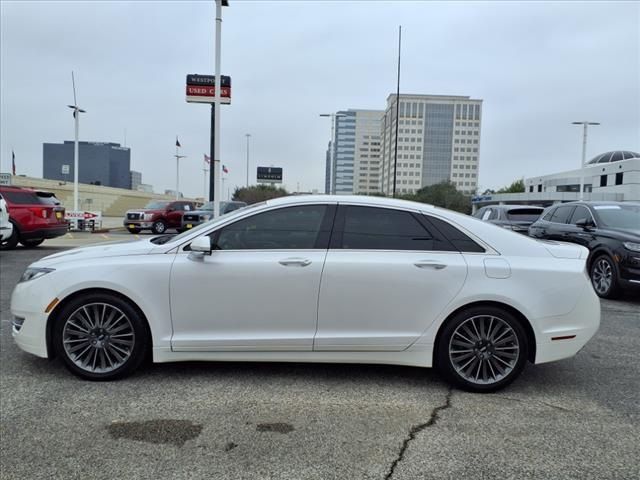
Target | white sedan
(315,279)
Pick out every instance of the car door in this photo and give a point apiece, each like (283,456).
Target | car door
(577,234)
(558,227)
(385,279)
(258,290)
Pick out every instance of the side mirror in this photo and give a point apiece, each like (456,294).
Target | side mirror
(202,244)
(584,223)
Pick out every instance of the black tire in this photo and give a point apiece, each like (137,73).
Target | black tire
(181,230)
(507,338)
(134,230)
(65,333)
(11,242)
(159,227)
(604,277)
(31,243)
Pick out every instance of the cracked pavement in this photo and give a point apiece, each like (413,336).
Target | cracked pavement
(573,419)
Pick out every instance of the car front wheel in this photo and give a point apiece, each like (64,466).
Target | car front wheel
(604,277)
(159,227)
(482,349)
(11,242)
(100,337)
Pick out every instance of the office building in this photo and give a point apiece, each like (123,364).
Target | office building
(136,179)
(99,163)
(355,168)
(438,140)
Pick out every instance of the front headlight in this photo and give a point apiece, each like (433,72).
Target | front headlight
(32,273)
(148,216)
(634,247)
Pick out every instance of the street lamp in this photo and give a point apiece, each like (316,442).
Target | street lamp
(584,124)
(332,170)
(248,135)
(215,167)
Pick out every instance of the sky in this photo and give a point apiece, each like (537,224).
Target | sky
(537,66)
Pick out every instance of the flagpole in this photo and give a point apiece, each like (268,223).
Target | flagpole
(216,127)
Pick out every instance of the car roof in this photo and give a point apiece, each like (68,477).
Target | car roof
(515,207)
(593,203)
(361,199)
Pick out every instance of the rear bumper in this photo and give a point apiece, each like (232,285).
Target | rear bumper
(564,336)
(51,232)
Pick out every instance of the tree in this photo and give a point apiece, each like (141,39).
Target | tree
(258,193)
(444,195)
(517,186)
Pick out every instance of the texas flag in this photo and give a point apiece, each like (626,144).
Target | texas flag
(225,169)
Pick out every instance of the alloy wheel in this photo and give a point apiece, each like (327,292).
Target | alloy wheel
(98,338)
(602,275)
(484,349)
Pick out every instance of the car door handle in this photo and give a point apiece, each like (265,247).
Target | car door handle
(430,264)
(295,262)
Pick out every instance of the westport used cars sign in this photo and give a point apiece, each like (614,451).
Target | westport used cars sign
(202,89)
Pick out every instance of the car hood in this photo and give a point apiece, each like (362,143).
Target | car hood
(624,234)
(109,249)
(144,210)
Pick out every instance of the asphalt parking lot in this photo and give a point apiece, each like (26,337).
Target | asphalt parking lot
(575,419)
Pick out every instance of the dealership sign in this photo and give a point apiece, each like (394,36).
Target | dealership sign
(202,89)
(82,215)
(270,174)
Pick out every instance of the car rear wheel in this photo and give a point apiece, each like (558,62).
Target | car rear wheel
(604,277)
(482,349)
(100,337)
(159,227)
(11,242)
(31,243)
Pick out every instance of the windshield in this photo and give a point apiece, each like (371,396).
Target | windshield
(207,206)
(619,216)
(210,223)
(156,205)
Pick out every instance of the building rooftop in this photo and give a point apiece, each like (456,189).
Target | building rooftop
(614,156)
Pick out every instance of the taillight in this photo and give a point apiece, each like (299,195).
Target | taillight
(38,212)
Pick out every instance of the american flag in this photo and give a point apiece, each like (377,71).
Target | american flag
(207,158)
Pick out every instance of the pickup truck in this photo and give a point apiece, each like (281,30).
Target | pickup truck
(157,216)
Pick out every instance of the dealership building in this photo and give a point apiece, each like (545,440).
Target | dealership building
(610,176)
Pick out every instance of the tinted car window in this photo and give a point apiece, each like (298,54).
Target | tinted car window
(561,214)
(487,214)
(580,213)
(286,228)
(524,214)
(372,228)
(458,240)
(22,198)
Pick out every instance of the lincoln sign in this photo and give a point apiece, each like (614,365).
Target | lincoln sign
(269,174)
(202,89)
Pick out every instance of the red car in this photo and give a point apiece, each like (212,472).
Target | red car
(157,216)
(35,216)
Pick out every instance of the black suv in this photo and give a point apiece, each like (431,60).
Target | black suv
(512,217)
(611,232)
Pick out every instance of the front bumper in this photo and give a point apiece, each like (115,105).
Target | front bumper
(188,224)
(27,307)
(629,270)
(140,224)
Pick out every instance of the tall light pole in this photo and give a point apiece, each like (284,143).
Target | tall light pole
(248,135)
(76,117)
(332,159)
(216,128)
(585,124)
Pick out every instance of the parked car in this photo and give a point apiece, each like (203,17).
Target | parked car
(35,216)
(6,227)
(205,213)
(338,279)
(512,217)
(611,232)
(157,216)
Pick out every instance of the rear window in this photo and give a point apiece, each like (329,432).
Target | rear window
(47,198)
(458,239)
(524,214)
(22,197)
